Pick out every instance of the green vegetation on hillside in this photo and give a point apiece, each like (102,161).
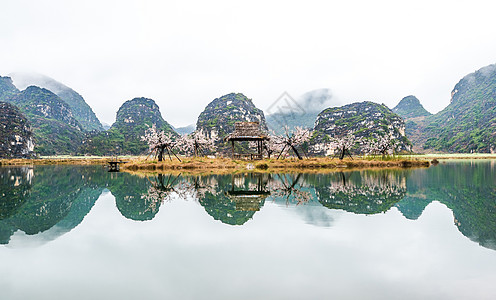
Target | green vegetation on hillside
(468,123)
(218,118)
(55,130)
(124,137)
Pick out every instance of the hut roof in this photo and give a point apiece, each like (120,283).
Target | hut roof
(247,131)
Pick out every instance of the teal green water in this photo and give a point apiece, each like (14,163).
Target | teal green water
(74,232)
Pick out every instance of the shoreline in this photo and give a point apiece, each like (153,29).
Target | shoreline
(204,164)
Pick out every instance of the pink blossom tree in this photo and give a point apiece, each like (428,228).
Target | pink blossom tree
(291,140)
(159,142)
(345,144)
(382,145)
(195,143)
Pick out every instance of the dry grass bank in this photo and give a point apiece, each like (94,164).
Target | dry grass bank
(225,165)
(54,161)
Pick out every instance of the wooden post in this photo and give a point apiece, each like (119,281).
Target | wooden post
(232,148)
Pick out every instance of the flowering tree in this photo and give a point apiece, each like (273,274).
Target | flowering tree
(291,141)
(382,145)
(273,145)
(195,143)
(345,143)
(159,142)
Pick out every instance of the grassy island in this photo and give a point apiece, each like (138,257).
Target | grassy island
(311,164)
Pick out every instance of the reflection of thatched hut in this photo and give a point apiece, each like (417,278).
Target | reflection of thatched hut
(247,132)
(248,191)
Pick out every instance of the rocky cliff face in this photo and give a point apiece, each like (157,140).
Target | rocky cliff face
(16,140)
(54,128)
(124,136)
(218,118)
(43,103)
(365,119)
(468,123)
(82,112)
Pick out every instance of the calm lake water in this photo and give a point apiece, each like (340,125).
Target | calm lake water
(73,232)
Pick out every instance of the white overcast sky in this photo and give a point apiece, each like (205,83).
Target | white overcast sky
(183,54)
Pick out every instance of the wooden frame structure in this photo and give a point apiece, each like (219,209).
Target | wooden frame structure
(247,132)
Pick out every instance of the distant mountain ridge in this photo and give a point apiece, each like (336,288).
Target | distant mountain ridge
(410,107)
(186,129)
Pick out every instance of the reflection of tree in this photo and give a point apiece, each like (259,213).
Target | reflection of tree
(197,187)
(365,192)
(161,188)
(288,187)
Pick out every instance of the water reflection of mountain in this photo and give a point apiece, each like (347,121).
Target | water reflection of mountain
(42,198)
(468,189)
(130,196)
(55,199)
(360,192)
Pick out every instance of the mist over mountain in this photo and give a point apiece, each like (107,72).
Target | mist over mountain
(301,111)
(81,110)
